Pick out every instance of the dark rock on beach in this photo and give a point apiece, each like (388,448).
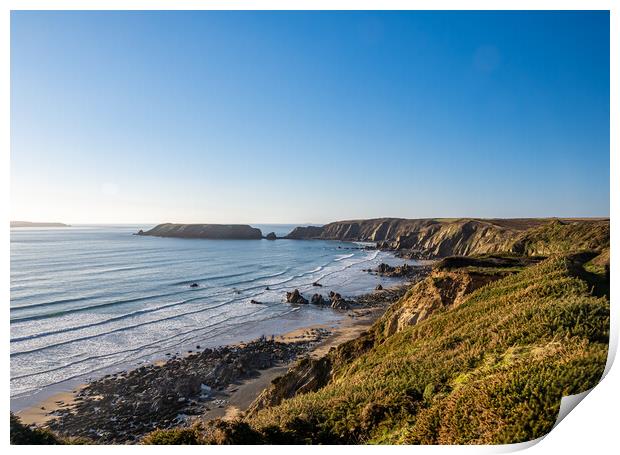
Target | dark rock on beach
(404,270)
(337,302)
(317,299)
(295,297)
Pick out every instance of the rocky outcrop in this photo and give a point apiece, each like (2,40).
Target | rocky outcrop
(205,231)
(271,236)
(317,299)
(398,271)
(306,232)
(337,302)
(295,297)
(310,374)
(443,289)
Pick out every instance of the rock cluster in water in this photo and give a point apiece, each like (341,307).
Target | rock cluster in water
(335,300)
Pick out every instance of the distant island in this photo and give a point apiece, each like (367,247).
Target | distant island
(205,231)
(21,224)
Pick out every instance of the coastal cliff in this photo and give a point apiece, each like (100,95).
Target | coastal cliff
(437,238)
(205,231)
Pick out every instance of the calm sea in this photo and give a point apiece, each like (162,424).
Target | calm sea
(88,300)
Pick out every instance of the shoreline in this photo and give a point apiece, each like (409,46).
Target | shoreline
(232,400)
(240,396)
(275,319)
(312,315)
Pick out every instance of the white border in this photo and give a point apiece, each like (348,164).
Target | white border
(592,428)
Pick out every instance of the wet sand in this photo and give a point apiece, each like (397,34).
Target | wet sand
(41,412)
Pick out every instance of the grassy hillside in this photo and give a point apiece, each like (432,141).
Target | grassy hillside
(560,237)
(492,370)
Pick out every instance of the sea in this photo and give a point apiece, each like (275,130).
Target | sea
(89,300)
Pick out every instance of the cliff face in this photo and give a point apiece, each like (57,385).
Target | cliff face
(425,237)
(436,238)
(441,290)
(205,231)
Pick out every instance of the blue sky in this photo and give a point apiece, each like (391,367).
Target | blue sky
(308,116)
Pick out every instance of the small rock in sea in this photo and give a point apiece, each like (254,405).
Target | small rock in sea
(379,288)
(190,351)
(316,283)
(193,285)
(271,236)
(197,346)
(267,288)
(256,302)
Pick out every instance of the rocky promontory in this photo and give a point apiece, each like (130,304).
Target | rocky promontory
(205,231)
(439,238)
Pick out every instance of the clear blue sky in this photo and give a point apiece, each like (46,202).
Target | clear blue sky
(308,116)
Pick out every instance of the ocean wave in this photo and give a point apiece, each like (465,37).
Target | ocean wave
(136,348)
(122,329)
(126,358)
(84,308)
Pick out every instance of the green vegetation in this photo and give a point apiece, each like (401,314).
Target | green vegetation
(176,436)
(33,435)
(492,370)
(561,237)
(22,434)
